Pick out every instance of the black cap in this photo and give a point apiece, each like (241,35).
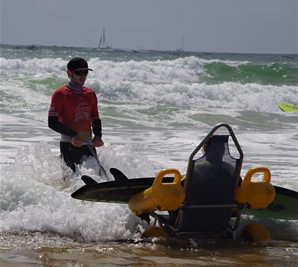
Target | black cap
(77,63)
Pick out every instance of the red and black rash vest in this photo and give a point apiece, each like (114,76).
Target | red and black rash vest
(76,109)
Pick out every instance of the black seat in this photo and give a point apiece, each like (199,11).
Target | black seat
(210,188)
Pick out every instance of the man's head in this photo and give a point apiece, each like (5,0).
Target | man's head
(77,70)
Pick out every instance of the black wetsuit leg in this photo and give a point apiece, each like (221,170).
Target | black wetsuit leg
(72,155)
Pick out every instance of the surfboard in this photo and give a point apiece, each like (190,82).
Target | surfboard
(113,191)
(287,107)
(118,191)
(284,206)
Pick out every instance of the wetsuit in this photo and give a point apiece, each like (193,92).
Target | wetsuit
(74,111)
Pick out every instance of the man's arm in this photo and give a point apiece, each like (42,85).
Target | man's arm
(56,125)
(96,127)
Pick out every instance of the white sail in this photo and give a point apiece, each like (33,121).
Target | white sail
(102,41)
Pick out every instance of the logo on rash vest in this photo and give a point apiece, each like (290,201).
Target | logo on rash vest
(52,110)
(82,110)
(81,116)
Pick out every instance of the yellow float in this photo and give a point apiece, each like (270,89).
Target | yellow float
(160,196)
(257,194)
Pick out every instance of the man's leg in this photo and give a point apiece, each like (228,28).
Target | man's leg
(68,154)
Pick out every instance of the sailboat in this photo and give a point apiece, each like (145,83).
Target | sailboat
(102,41)
(182,45)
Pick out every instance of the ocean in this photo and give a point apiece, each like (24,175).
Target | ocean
(155,106)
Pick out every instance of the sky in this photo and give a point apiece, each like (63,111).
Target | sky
(237,26)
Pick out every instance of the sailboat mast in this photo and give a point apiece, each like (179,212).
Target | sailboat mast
(182,44)
(100,42)
(103,36)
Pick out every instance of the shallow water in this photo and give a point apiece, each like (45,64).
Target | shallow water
(63,252)
(156,107)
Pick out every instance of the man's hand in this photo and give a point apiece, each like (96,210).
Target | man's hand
(97,141)
(77,141)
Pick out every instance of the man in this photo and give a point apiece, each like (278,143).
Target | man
(74,114)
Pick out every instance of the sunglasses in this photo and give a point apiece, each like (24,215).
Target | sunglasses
(81,72)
